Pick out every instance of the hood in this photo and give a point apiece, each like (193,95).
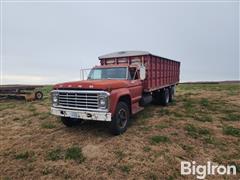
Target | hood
(93,84)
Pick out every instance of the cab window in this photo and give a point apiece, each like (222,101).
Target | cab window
(133,74)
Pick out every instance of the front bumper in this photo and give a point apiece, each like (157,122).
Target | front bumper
(86,115)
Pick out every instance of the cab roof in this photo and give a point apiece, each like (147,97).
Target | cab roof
(116,65)
(124,54)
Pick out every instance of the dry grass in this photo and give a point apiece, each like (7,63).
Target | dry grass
(201,125)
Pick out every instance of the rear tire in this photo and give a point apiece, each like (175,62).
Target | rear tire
(161,97)
(171,93)
(70,122)
(165,97)
(120,120)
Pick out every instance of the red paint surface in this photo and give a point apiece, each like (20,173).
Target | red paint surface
(94,84)
(160,72)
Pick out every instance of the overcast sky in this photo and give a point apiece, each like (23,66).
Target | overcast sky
(49,42)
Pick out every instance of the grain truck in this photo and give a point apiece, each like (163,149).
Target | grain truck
(121,86)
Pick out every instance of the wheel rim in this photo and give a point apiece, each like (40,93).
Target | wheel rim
(39,95)
(122,116)
(167,96)
(173,91)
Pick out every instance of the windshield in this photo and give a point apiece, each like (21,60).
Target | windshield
(108,73)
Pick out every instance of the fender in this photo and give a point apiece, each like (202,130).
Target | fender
(115,96)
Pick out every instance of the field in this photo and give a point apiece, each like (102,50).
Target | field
(202,124)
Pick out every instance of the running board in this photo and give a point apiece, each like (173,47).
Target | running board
(136,108)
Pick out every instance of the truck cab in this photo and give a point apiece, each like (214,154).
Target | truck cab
(112,92)
(109,92)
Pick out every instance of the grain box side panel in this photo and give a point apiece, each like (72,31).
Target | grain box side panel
(159,68)
(158,71)
(154,71)
(147,81)
(149,72)
(161,71)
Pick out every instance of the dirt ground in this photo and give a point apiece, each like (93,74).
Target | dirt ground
(202,124)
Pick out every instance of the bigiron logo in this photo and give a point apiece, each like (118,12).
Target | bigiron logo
(202,171)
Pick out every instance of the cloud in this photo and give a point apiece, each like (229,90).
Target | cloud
(23,79)
(51,47)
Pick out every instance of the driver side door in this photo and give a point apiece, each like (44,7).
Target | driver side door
(135,85)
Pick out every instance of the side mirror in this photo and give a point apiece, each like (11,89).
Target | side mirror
(142,72)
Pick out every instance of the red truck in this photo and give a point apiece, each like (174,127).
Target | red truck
(118,88)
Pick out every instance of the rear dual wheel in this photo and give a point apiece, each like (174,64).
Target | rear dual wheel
(164,96)
(171,93)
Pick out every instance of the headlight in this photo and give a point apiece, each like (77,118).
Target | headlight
(102,102)
(54,98)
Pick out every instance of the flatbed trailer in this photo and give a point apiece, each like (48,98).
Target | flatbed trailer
(29,92)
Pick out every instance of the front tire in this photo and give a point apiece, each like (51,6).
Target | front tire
(120,120)
(70,122)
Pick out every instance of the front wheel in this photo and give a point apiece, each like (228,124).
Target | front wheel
(70,122)
(120,120)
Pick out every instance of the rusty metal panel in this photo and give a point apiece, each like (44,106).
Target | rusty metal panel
(160,72)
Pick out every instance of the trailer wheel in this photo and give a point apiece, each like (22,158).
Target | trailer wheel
(171,93)
(70,122)
(38,95)
(120,120)
(165,97)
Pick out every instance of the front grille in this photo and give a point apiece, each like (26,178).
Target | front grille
(78,100)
